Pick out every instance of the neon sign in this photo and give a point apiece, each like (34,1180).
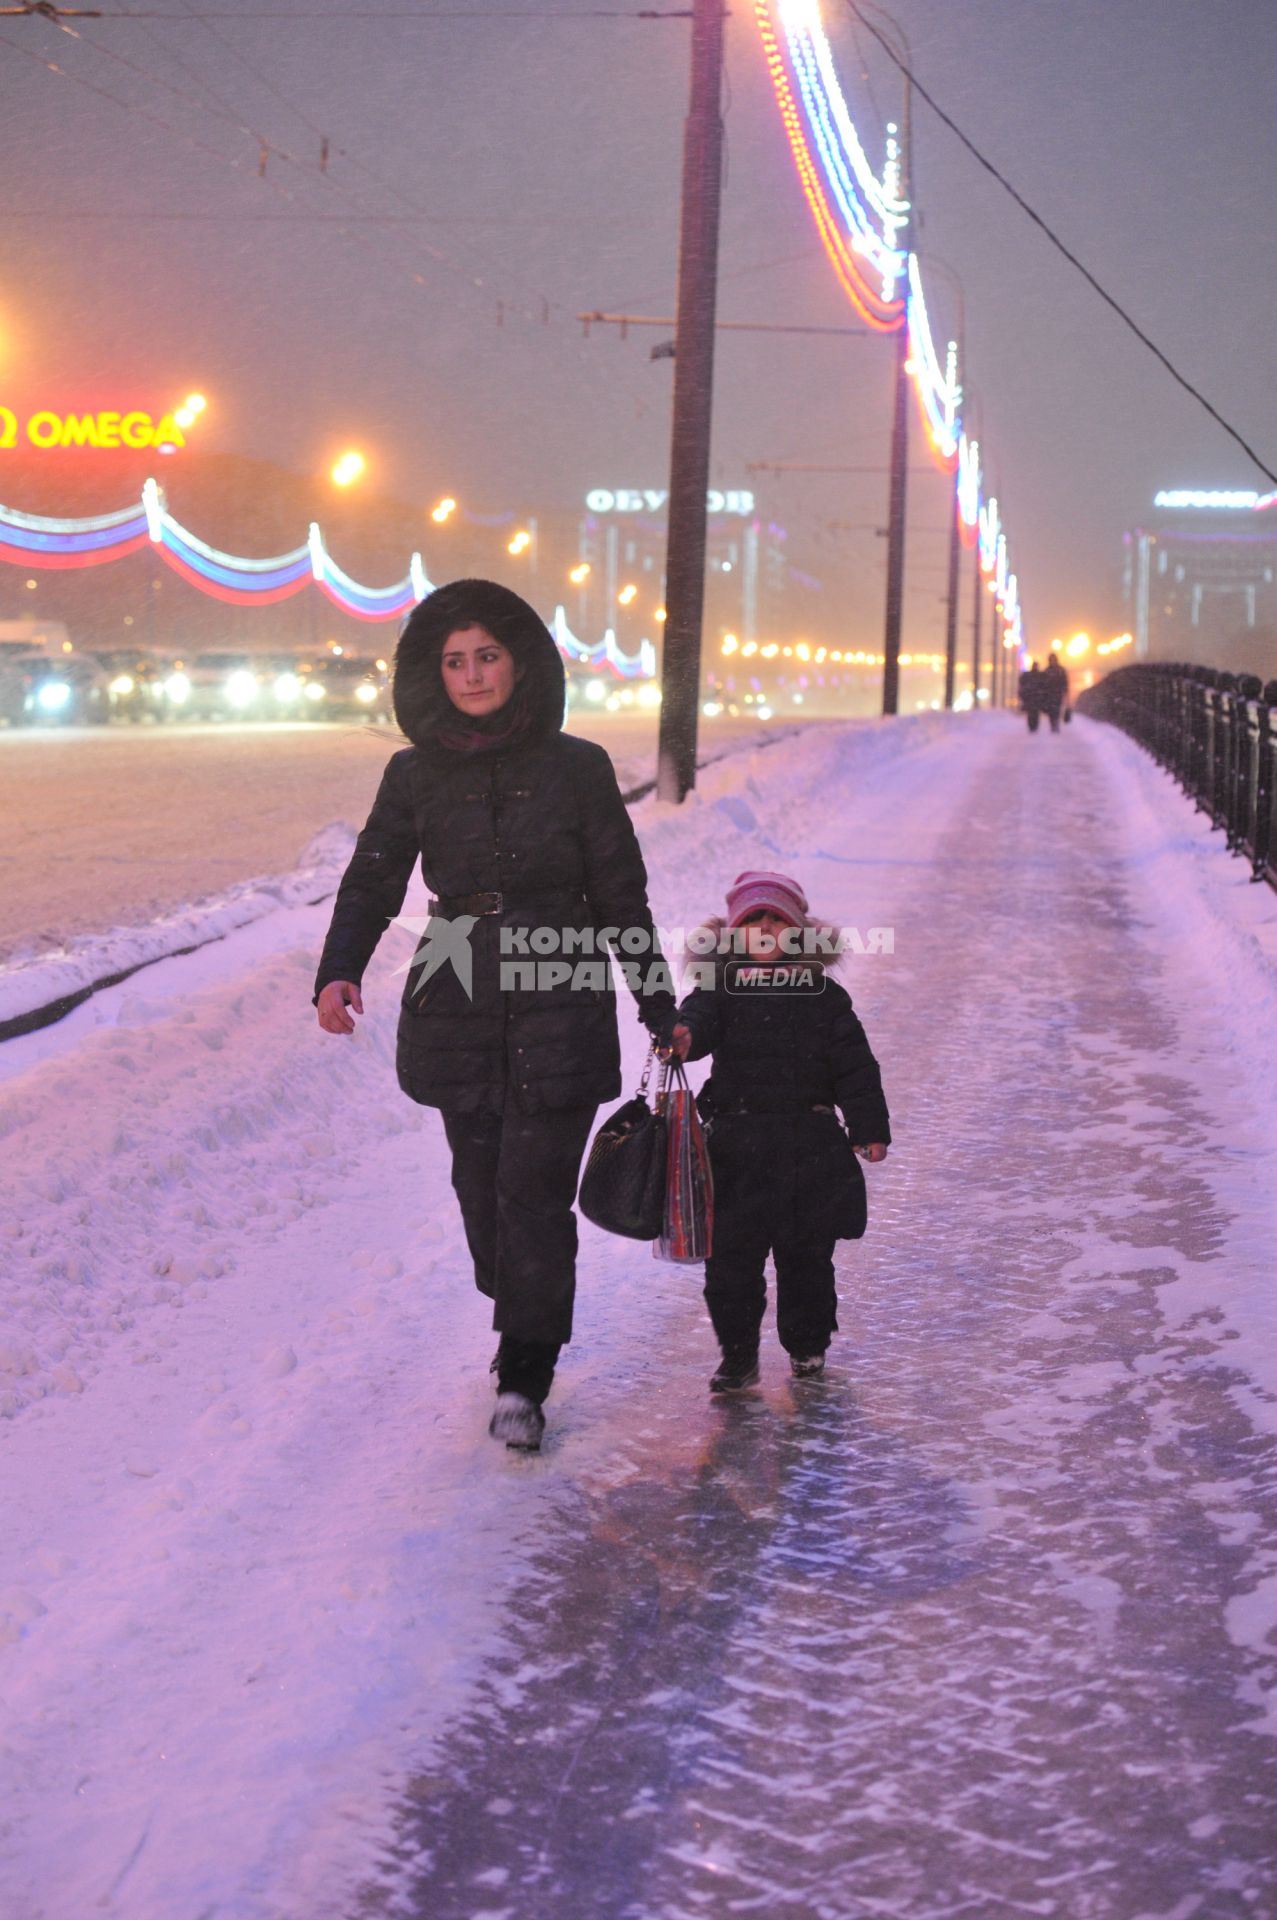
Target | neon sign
(652,499)
(1242,500)
(46,430)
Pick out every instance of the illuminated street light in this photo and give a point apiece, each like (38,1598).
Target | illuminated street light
(350,467)
(520,543)
(580,573)
(627,594)
(444,511)
(660,615)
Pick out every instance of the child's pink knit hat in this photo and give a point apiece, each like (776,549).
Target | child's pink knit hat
(750,891)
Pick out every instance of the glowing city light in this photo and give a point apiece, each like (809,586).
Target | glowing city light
(520,543)
(348,468)
(580,573)
(444,510)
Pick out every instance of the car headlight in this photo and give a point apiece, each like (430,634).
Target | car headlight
(178,688)
(241,687)
(366,692)
(53,695)
(287,686)
(122,683)
(313,690)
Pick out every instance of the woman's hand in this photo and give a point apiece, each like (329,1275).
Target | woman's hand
(874,1153)
(679,1044)
(333,1002)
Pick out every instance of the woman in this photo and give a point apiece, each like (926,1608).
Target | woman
(520,828)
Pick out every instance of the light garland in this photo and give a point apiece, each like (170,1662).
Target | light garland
(34,540)
(840,148)
(938,389)
(883,315)
(607,652)
(860,219)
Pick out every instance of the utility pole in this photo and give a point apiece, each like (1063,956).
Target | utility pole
(897,485)
(951,611)
(693,400)
(975,631)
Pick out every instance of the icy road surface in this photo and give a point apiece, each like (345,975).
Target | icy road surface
(981,1624)
(111,827)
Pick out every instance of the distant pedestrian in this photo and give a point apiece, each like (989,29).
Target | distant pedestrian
(520,830)
(788,1053)
(1054,690)
(1031,695)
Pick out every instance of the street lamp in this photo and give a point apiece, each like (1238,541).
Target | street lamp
(444,511)
(351,466)
(190,410)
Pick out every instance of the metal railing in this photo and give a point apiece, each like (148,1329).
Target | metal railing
(1216,733)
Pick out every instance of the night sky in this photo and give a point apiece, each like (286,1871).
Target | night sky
(487,167)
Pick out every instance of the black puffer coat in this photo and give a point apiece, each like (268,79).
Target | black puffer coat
(537,819)
(777,1057)
(782,1052)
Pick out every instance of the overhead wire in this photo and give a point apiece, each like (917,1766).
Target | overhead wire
(329,148)
(1053,237)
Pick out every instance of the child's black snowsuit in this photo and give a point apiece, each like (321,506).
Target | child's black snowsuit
(786,1181)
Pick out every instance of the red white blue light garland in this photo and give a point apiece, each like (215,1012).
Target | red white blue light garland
(28,540)
(860,217)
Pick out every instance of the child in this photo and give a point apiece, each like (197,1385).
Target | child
(787,1051)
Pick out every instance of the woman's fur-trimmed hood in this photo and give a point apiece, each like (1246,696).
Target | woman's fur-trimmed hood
(422,706)
(715,941)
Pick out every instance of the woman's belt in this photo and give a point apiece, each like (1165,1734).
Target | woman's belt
(449,905)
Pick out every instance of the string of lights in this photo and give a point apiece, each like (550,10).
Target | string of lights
(39,540)
(860,218)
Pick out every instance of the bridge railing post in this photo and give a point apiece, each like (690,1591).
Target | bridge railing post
(1262,866)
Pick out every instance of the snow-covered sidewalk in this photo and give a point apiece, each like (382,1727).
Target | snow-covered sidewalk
(976,1625)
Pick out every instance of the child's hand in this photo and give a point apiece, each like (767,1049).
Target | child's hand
(680,1042)
(873,1154)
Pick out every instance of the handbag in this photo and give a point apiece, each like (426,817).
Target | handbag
(687,1231)
(623,1186)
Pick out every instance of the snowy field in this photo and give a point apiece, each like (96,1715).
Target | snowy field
(984,1623)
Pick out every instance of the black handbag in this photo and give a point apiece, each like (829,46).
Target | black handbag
(623,1186)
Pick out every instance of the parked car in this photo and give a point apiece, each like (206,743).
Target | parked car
(215,686)
(135,682)
(38,689)
(353,688)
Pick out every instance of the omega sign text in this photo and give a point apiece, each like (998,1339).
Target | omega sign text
(47,430)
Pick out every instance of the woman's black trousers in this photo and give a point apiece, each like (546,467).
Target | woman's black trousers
(515,1176)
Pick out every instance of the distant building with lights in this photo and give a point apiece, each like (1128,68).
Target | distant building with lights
(1200,580)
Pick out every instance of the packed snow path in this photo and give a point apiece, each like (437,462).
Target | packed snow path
(979,1624)
(945,1633)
